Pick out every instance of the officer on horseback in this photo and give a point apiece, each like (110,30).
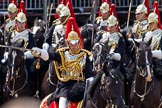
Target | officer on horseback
(72,64)
(105,13)
(59,30)
(154,37)
(10,22)
(141,24)
(114,39)
(22,36)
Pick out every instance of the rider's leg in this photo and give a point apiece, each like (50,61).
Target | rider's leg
(63,102)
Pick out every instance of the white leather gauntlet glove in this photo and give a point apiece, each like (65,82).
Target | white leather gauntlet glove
(5,57)
(45,46)
(157,54)
(28,55)
(90,80)
(116,56)
(37,52)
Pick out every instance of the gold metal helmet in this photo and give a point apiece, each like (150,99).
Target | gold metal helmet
(104,7)
(12,8)
(141,9)
(153,17)
(112,21)
(73,37)
(21,17)
(64,11)
(59,7)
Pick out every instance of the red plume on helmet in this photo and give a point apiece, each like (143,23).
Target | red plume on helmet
(13,1)
(108,1)
(113,11)
(72,25)
(156,10)
(146,3)
(23,9)
(70,6)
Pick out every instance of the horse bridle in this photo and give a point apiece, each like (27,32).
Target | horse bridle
(12,66)
(101,57)
(143,74)
(49,78)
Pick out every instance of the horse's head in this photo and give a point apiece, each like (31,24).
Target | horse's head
(87,33)
(15,61)
(101,56)
(144,59)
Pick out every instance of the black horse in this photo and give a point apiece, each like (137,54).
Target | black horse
(17,82)
(88,34)
(107,87)
(2,67)
(145,93)
(49,82)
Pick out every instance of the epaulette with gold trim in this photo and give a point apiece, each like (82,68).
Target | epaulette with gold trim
(88,52)
(62,49)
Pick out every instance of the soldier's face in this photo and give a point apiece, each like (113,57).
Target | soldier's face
(62,19)
(112,29)
(152,26)
(20,25)
(105,15)
(74,47)
(140,16)
(12,15)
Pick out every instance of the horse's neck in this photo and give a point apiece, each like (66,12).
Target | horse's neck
(139,81)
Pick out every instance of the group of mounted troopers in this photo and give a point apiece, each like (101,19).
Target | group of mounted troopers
(72,62)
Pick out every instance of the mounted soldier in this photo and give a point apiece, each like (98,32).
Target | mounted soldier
(10,22)
(64,11)
(101,21)
(154,38)
(115,40)
(72,64)
(141,24)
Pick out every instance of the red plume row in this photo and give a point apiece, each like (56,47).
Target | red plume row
(156,10)
(71,25)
